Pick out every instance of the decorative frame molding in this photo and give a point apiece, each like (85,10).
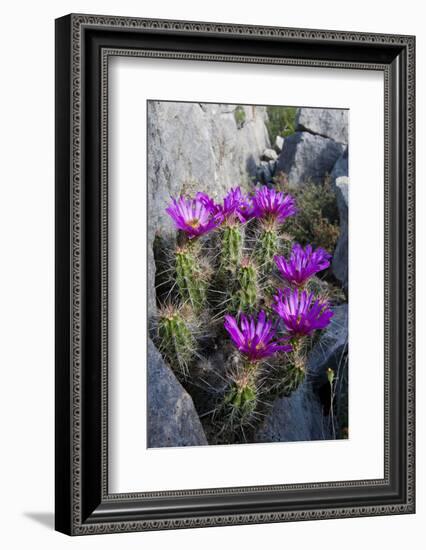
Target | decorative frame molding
(84,43)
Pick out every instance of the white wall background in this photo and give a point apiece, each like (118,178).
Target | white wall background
(27,262)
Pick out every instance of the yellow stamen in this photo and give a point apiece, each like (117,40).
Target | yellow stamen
(194,223)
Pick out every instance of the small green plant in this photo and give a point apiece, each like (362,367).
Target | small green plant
(342,403)
(240,116)
(318,219)
(281,121)
(330,378)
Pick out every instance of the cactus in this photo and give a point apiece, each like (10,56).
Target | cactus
(231,247)
(296,371)
(287,376)
(246,294)
(241,399)
(221,292)
(315,285)
(267,247)
(295,375)
(325,291)
(176,338)
(190,279)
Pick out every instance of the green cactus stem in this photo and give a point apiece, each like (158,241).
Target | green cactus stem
(246,294)
(190,280)
(241,399)
(266,247)
(296,372)
(294,377)
(176,340)
(315,285)
(231,247)
(288,376)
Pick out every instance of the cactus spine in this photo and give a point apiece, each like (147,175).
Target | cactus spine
(176,340)
(297,370)
(231,247)
(246,295)
(241,399)
(267,247)
(189,277)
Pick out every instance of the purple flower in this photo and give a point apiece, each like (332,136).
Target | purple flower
(195,216)
(208,202)
(303,263)
(300,312)
(273,205)
(236,206)
(254,339)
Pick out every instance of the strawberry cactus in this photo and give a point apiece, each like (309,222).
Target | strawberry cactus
(233,275)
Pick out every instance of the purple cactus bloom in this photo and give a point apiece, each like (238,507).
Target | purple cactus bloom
(194,216)
(273,205)
(236,206)
(246,208)
(300,312)
(208,202)
(255,339)
(302,264)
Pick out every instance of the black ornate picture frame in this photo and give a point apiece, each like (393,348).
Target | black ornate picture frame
(84,43)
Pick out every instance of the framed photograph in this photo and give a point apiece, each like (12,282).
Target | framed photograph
(234,274)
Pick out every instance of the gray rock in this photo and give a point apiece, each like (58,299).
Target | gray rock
(265,171)
(198,147)
(340,256)
(307,157)
(172,418)
(331,123)
(295,418)
(341,168)
(269,154)
(279,144)
(151,299)
(330,350)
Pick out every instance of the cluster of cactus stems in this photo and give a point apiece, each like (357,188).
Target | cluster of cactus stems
(257,285)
